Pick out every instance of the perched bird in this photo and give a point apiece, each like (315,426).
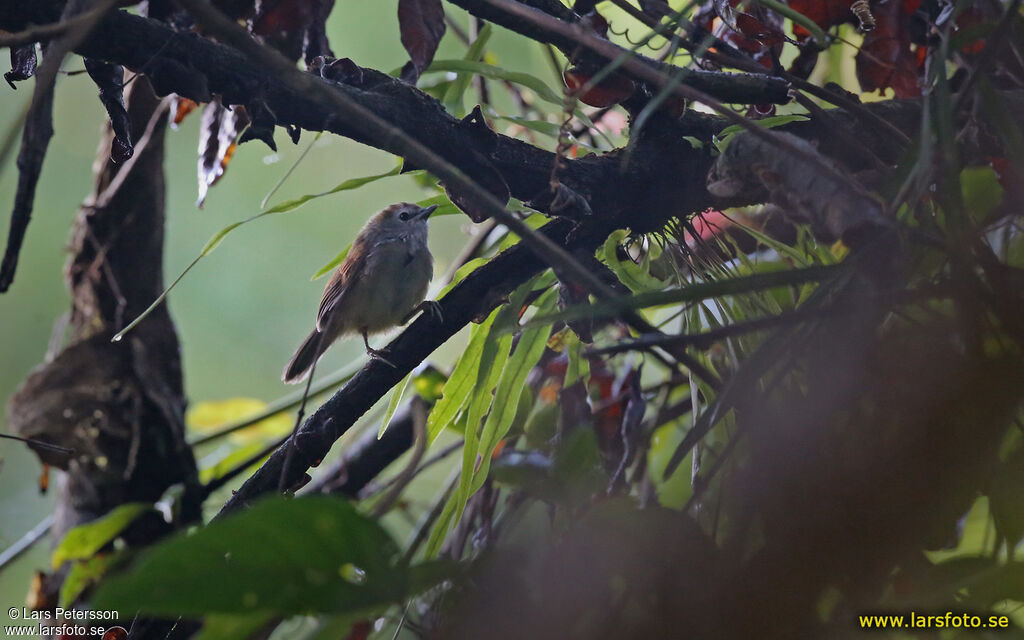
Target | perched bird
(380,283)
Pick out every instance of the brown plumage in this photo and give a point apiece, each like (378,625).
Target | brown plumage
(380,283)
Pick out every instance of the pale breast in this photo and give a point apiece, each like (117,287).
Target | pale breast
(394,282)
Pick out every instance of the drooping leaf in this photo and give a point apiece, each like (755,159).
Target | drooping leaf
(219,131)
(691,293)
(23,64)
(83,574)
(293,27)
(396,399)
(885,58)
(453,97)
(823,13)
(85,540)
(421,24)
(492,362)
(507,395)
(460,384)
(334,262)
(109,78)
(535,84)
(283,556)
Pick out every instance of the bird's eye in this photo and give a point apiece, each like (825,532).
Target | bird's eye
(404,215)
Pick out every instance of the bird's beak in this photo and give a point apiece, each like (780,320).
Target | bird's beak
(425,212)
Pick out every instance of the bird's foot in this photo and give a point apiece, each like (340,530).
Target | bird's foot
(379,354)
(431,307)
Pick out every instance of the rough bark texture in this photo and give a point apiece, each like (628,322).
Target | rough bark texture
(120,406)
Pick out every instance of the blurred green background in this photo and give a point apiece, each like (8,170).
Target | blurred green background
(242,311)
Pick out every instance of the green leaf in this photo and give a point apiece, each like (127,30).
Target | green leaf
(725,135)
(282,556)
(492,362)
(222,461)
(461,273)
(85,540)
(635,276)
(233,627)
(444,206)
(453,97)
(396,399)
(692,293)
(529,349)
(440,530)
(540,126)
(461,382)
(335,261)
(533,83)
(429,384)
(84,574)
(347,185)
(579,366)
(982,192)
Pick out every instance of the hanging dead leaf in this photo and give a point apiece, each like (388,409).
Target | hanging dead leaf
(180,108)
(109,78)
(886,58)
(218,132)
(23,64)
(421,25)
(283,24)
(824,13)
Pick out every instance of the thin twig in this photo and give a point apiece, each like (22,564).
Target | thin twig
(419,430)
(44,32)
(281,405)
(25,542)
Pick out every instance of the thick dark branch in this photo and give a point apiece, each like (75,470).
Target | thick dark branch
(664,177)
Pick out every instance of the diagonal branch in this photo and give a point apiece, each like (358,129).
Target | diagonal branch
(552,23)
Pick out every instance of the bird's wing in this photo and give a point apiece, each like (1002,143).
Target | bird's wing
(334,293)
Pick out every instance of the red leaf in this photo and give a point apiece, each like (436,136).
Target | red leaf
(824,13)
(754,30)
(421,24)
(612,90)
(885,58)
(296,28)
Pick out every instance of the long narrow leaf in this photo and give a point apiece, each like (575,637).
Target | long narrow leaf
(529,349)
(396,399)
(460,383)
(609,308)
(453,97)
(535,84)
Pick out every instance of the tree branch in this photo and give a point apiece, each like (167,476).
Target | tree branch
(562,29)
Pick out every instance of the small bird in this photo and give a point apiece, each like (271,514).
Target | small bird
(380,283)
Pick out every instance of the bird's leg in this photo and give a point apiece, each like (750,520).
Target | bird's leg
(374,353)
(427,306)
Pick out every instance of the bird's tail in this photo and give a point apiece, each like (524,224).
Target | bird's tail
(298,367)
